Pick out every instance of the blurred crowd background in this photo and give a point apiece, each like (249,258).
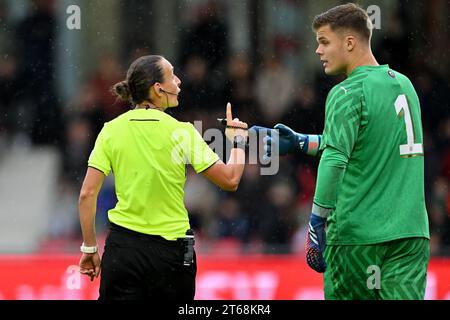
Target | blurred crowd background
(259,55)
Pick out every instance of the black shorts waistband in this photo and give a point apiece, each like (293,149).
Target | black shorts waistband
(144,236)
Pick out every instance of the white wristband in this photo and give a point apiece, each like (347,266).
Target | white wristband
(320,211)
(85,249)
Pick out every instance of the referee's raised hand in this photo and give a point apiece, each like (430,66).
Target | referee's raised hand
(234,126)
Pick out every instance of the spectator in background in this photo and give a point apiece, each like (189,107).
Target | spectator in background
(239,87)
(306,181)
(198,94)
(395,46)
(137,52)
(434,98)
(444,179)
(107,74)
(231,221)
(274,77)
(253,185)
(36,39)
(438,208)
(444,133)
(9,92)
(305,111)
(9,79)
(87,105)
(64,223)
(276,217)
(433,94)
(6,33)
(207,37)
(78,144)
(84,119)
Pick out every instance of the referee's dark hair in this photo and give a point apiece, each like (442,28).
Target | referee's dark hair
(143,73)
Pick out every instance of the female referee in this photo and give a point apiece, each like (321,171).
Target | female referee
(146,252)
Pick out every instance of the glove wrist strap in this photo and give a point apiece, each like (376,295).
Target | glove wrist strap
(312,145)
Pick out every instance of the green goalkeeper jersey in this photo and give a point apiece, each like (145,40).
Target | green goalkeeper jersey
(373,118)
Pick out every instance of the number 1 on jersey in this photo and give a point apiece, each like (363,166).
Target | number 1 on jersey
(410,148)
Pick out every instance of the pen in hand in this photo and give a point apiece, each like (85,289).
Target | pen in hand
(224,122)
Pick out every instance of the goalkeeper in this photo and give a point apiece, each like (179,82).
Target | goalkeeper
(370,182)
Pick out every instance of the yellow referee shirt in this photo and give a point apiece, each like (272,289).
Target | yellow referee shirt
(148,150)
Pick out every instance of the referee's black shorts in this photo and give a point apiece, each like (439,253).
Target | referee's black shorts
(137,266)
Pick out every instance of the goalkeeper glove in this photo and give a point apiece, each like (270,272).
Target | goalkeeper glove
(291,141)
(288,141)
(315,243)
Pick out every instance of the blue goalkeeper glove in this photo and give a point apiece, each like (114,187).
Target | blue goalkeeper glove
(315,243)
(266,134)
(288,141)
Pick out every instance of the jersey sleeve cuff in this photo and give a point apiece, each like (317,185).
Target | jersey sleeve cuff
(320,211)
(208,166)
(93,166)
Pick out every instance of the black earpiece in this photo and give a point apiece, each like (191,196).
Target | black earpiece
(167,92)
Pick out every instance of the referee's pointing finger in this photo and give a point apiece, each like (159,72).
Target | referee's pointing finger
(229,115)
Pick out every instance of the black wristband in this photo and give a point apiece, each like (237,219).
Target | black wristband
(239,142)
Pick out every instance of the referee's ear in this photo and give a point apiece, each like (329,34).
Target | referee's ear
(154,92)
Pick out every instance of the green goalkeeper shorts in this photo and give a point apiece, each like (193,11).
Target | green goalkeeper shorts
(389,270)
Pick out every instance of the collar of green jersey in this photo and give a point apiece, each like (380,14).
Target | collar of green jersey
(361,69)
